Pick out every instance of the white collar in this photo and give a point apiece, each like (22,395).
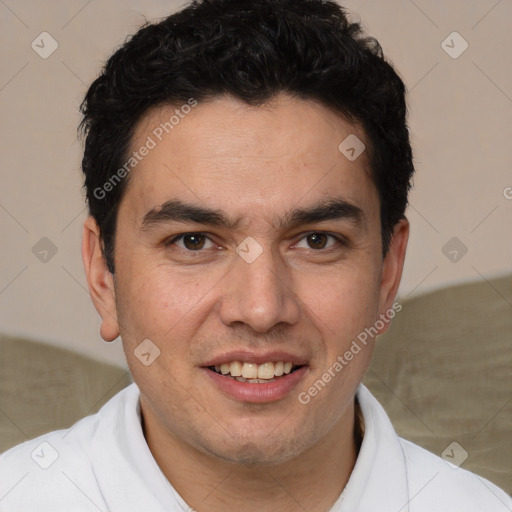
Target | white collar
(379,478)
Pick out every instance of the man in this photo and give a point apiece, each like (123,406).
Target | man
(247,164)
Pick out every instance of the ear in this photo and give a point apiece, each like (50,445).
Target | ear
(100,280)
(392,269)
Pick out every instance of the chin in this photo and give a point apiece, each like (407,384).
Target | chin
(263,451)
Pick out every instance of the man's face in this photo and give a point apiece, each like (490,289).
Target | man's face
(273,288)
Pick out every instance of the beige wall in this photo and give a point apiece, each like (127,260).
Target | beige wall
(460,117)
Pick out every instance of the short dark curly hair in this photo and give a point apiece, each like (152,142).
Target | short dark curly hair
(252,50)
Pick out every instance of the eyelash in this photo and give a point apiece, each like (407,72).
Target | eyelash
(339,239)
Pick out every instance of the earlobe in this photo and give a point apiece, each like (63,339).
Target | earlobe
(392,269)
(100,280)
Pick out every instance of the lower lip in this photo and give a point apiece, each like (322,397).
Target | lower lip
(257,393)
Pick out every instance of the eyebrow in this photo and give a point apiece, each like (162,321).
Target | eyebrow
(329,209)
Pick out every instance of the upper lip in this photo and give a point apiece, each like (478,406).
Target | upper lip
(256,358)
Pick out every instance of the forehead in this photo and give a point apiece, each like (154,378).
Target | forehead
(226,154)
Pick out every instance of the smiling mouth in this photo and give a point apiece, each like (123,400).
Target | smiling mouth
(253,373)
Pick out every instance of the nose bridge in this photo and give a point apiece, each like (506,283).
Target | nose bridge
(260,292)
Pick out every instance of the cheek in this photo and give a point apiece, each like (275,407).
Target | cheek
(341,309)
(151,306)
(156,297)
(160,305)
(343,303)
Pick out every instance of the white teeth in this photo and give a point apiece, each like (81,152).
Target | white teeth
(252,372)
(266,371)
(279,369)
(235,369)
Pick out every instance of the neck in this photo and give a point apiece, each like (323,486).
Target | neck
(311,481)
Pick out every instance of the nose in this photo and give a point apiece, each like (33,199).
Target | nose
(259,294)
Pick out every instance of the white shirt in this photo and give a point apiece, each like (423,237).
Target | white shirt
(103,463)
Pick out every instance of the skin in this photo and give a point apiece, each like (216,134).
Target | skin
(256,164)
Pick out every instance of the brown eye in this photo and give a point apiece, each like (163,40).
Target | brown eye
(320,241)
(317,240)
(191,241)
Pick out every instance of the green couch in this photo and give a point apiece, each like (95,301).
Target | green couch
(443,372)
